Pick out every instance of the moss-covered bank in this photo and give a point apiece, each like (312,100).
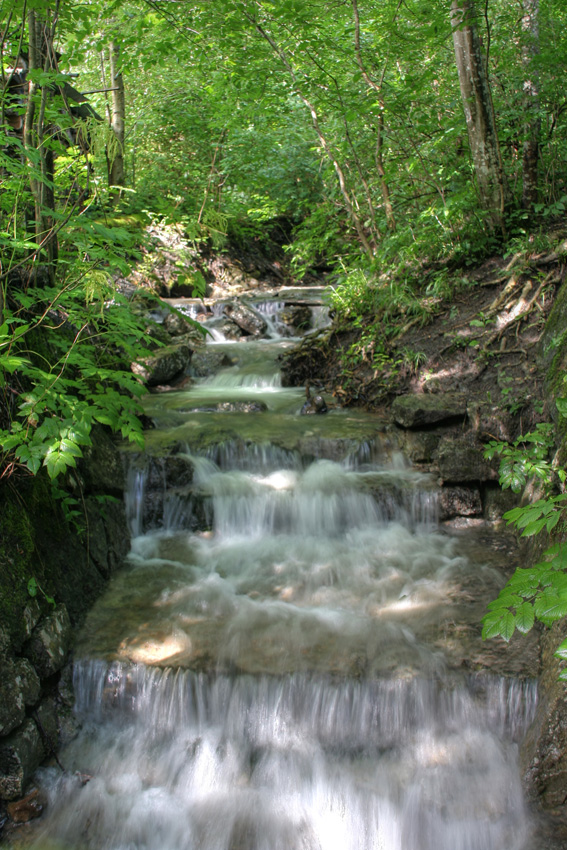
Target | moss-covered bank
(68,565)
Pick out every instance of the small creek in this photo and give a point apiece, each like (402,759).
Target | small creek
(291,659)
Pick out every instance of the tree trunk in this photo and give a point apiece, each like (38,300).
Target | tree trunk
(41,32)
(530,154)
(323,141)
(116,156)
(379,150)
(479,112)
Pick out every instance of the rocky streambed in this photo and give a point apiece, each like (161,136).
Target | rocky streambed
(292,648)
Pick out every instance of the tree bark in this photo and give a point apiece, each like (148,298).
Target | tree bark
(118,122)
(532,126)
(479,112)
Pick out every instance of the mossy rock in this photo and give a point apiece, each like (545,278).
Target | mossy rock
(17,566)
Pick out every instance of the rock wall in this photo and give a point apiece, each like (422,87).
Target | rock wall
(544,753)
(69,564)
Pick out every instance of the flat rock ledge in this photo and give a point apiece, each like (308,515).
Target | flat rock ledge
(422,410)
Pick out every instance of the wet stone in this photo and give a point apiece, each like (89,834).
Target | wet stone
(315,404)
(246,318)
(206,362)
(48,724)
(175,470)
(101,468)
(176,325)
(226,327)
(165,365)
(296,316)
(32,616)
(231,407)
(419,446)
(29,681)
(50,642)
(29,807)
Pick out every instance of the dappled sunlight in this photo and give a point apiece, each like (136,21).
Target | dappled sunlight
(167,650)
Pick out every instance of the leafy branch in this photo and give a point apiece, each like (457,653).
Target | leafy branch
(539,592)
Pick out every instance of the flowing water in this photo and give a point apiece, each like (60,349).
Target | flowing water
(291,659)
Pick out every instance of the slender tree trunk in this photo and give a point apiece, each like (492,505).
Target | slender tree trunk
(379,150)
(118,123)
(34,63)
(323,141)
(479,111)
(530,48)
(216,156)
(41,33)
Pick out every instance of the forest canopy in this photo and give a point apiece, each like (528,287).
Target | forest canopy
(377,128)
(383,133)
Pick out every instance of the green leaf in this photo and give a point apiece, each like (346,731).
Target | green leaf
(561,651)
(508,626)
(32,587)
(534,527)
(525,617)
(550,606)
(498,624)
(506,599)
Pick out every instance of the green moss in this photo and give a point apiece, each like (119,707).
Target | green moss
(17,565)
(26,516)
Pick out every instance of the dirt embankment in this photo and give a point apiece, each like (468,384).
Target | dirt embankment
(485,341)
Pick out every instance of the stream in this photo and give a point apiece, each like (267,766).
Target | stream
(291,659)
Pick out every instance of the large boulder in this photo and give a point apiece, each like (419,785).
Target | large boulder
(225,327)
(176,325)
(19,687)
(28,681)
(20,755)
(246,318)
(460,460)
(421,410)
(164,366)
(101,466)
(109,541)
(459,501)
(12,704)
(208,362)
(296,316)
(419,446)
(50,642)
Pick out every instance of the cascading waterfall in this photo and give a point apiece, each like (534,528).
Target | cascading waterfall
(287,662)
